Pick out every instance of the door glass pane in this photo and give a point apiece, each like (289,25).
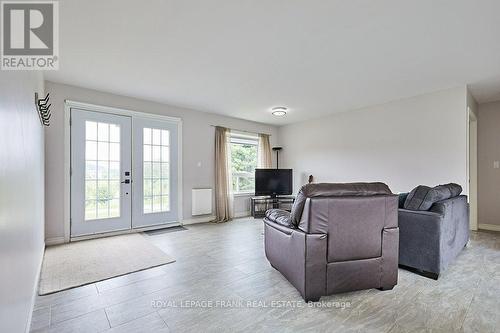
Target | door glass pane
(103,194)
(165,154)
(156,204)
(156,174)
(147,136)
(103,132)
(102,209)
(148,188)
(90,189)
(156,137)
(114,133)
(156,170)
(102,170)
(147,153)
(103,151)
(148,205)
(114,152)
(147,170)
(114,170)
(91,130)
(91,150)
(90,170)
(156,154)
(156,186)
(114,189)
(164,169)
(165,187)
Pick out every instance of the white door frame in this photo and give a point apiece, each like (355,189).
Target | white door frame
(68,104)
(472,168)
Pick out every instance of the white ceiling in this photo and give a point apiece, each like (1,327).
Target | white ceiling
(242,57)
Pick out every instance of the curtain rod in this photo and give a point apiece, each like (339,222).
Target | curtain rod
(245,131)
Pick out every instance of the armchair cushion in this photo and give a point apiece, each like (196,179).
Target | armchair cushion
(279,216)
(423,197)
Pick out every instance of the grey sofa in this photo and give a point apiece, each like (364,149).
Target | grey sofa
(433,228)
(338,238)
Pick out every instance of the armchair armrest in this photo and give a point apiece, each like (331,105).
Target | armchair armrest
(279,216)
(430,240)
(287,230)
(299,256)
(454,227)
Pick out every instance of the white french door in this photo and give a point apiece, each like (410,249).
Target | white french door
(123,172)
(155,199)
(100,172)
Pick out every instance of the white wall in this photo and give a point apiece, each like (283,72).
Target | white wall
(21,197)
(198,146)
(404,143)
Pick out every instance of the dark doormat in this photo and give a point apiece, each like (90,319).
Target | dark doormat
(165,230)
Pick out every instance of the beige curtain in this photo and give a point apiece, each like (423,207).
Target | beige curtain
(223,185)
(265,159)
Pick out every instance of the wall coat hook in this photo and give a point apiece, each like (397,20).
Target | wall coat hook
(43,109)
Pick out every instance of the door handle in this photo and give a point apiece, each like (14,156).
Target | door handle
(126,181)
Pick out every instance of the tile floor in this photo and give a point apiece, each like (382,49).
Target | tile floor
(222,282)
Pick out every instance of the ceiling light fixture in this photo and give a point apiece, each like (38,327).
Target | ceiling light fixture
(279,111)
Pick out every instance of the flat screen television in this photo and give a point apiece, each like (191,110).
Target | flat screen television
(273,182)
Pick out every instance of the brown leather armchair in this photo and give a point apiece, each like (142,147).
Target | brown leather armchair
(338,238)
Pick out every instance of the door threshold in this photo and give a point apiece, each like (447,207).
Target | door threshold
(124,232)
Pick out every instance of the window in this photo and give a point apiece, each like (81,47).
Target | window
(102,170)
(156,170)
(243,162)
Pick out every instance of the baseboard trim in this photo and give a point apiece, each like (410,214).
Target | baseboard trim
(242,214)
(490,227)
(54,241)
(201,219)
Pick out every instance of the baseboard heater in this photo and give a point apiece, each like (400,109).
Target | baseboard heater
(201,202)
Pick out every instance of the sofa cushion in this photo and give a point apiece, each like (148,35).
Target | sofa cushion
(334,190)
(401,199)
(279,216)
(423,197)
(450,190)
(416,197)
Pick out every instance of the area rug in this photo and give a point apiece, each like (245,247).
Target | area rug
(79,263)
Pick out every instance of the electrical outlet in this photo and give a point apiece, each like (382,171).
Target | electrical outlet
(496,164)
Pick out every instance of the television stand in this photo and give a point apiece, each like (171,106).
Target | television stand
(259,205)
